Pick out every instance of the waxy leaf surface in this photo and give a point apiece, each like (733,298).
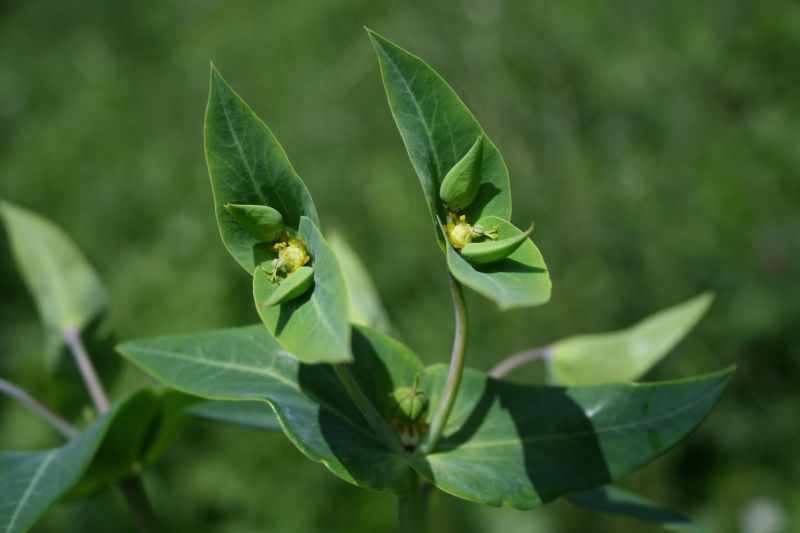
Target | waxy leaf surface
(621,502)
(438,130)
(313,327)
(248,166)
(519,280)
(67,290)
(520,445)
(624,355)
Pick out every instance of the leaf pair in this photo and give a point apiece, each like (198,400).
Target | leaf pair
(496,449)
(257,195)
(119,444)
(460,170)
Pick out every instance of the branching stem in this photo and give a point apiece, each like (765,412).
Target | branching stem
(72,337)
(59,424)
(518,359)
(451,385)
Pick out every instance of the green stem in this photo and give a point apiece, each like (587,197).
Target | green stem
(132,489)
(37,407)
(379,425)
(518,359)
(412,509)
(450,391)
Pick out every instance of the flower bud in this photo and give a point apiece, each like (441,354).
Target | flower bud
(410,404)
(261,221)
(460,186)
(293,254)
(458,231)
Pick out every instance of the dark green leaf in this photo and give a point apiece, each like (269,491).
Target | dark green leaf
(627,354)
(313,408)
(258,415)
(32,482)
(519,280)
(248,166)
(438,130)
(520,445)
(617,501)
(313,327)
(67,290)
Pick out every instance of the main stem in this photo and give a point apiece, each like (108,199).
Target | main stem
(412,509)
(379,425)
(132,488)
(450,391)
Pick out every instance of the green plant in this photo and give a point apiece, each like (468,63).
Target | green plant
(345,392)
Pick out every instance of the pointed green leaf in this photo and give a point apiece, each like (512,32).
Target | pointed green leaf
(622,502)
(314,410)
(67,290)
(294,286)
(313,327)
(32,482)
(248,166)
(487,252)
(365,306)
(460,186)
(520,445)
(519,280)
(257,415)
(263,222)
(438,130)
(624,355)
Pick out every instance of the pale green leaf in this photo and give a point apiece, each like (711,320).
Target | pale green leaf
(365,306)
(627,354)
(67,290)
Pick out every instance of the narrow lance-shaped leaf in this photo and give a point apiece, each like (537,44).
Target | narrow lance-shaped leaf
(438,130)
(248,167)
(617,501)
(627,354)
(519,280)
(314,326)
(365,306)
(67,290)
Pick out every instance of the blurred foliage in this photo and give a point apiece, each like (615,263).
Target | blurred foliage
(655,144)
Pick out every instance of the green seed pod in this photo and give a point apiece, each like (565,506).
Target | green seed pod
(410,404)
(261,221)
(482,253)
(460,186)
(295,284)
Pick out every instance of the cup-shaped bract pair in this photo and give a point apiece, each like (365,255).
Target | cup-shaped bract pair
(269,225)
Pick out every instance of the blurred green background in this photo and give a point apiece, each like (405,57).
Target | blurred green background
(655,144)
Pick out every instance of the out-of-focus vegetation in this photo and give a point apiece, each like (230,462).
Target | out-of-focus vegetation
(655,144)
